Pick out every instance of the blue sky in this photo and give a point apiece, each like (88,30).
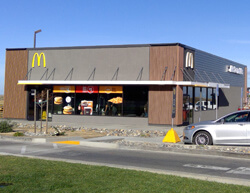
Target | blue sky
(220,27)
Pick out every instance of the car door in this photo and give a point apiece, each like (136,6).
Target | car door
(232,129)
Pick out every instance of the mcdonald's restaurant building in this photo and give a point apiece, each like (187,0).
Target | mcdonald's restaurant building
(149,84)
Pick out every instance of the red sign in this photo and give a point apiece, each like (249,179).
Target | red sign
(87,89)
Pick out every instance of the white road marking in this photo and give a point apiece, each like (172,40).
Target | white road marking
(240,170)
(23,150)
(47,150)
(55,146)
(206,167)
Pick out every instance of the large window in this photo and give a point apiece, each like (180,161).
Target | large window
(101,100)
(197,98)
(135,101)
(187,105)
(110,100)
(215,106)
(201,102)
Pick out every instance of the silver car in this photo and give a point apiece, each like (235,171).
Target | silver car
(231,129)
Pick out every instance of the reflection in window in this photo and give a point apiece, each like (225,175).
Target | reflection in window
(210,99)
(207,99)
(214,98)
(200,99)
(190,94)
(198,104)
(186,105)
(204,99)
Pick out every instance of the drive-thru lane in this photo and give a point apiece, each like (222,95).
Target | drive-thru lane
(217,168)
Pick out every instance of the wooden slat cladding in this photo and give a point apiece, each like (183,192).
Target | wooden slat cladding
(15,98)
(166,56)
(161,97)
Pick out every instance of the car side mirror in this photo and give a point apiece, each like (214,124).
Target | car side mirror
(222,121)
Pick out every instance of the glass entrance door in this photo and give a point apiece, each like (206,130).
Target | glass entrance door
(187,105)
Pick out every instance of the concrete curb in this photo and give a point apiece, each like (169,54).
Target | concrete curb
(229,151)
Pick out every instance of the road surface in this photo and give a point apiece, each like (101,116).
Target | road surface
(205,167)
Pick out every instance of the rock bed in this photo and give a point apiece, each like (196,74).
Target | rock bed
(59,129)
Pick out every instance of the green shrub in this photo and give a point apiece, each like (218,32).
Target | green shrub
(18,134)
(6,126)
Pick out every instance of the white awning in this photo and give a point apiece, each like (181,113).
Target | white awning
(121,82)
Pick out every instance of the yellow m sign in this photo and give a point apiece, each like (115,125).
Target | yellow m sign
(38,56)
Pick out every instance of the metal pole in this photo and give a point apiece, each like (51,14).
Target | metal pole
(217,105)
(241,96)
(37,31)
(34,39)
(200,104)
(35,111)
(47,111)
(41,111)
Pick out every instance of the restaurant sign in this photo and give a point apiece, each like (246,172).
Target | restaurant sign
(234,69)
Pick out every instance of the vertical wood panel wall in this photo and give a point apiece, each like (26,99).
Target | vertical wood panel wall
(161,97)
(15,98)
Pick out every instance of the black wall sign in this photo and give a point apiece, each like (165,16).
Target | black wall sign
(174,102)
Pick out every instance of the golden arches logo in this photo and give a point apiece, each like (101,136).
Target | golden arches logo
(38,56)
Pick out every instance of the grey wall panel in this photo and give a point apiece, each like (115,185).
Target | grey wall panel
(130,61)
(214,65)
(229,102)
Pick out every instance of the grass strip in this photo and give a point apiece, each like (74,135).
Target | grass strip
(35,175)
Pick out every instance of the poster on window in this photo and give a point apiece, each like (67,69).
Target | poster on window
(86,107)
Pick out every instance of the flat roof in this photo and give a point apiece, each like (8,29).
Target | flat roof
(101,46)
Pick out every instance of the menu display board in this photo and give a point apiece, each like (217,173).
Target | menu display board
(87,89)
(111,89)
(64,89)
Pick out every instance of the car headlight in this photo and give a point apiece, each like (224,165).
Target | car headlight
(190,127)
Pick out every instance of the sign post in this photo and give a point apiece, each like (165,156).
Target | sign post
(47,111)
(241,96)
(174,106)
(171,136)
(217,105)
(34,93)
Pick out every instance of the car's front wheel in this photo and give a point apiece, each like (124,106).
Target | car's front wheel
(202,138)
